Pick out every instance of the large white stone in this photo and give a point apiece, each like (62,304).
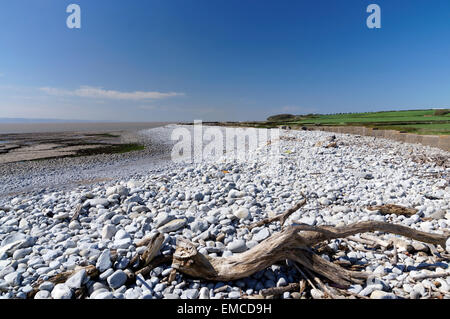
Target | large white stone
(378,294)
(104,261)
(242,213)
(117,279)
(119,189)
(237,246)
(77,280)
(108,231)
(173,225)
(61,291)
(261,235)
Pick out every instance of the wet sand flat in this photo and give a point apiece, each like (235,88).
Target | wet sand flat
(52,140)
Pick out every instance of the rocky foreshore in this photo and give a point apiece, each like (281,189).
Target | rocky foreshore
(211,203)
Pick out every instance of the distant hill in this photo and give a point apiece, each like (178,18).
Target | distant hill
(281,117)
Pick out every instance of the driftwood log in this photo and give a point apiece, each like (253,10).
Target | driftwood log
(294,243)
(394,209)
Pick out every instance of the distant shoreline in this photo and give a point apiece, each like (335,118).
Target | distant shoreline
(55,127)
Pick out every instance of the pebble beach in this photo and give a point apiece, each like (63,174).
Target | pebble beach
(125,198)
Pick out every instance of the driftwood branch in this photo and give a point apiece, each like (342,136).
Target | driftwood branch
(153,264)
(78,210)
(281,217)
(274,291)
(153,247)
(91,271)
(394,209)
(293,243)
(322,286)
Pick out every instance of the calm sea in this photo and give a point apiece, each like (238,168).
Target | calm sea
(74,127)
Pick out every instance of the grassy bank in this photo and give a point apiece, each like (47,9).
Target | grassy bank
(424,122)
(111,149)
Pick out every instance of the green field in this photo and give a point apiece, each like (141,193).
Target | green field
(425,122)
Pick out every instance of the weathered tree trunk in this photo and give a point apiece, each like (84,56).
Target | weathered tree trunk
(295,243)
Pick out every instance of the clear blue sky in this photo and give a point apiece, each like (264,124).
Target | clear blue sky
(220,59)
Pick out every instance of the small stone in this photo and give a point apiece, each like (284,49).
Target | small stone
(420,289)
(234,295)
(281,282)
(173,225)
(204,293)
(140,209)
(162,219)
(324,201)
(99,201)
(61,291)
(316,294)
(42,294)
(74,225)
(356,289)
(261,235)
(15,241)
(47,285)
(242,213)
(122,243)
(378,294)
(21,253)
(103,295)
(198,197)
(106,274)
(296,295)
(122,263)
(234,193)
(191,293)
(227,253)
(13,279)
(119,189)
(380,270)
(160,287)
(117,279)
(121,234)
(61,216)
(108,232)
(77,280)
(438,215)
(420,247)
(220,237)
(369,289)
(104,261)
(131,184)
(237,246)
